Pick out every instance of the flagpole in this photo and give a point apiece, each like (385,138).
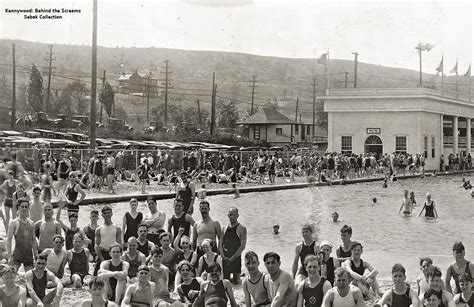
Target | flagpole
(327,74)
(442,72)
(457,68)
(470,81)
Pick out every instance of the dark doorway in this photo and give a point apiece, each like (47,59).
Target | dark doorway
(373,144)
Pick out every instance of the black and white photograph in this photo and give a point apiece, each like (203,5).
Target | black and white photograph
(280,153)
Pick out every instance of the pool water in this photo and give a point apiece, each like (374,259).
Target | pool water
(387,238)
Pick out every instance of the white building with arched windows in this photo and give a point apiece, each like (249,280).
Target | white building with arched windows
(386,120)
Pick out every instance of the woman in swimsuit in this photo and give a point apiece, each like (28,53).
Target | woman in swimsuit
(207,259)
(429,208)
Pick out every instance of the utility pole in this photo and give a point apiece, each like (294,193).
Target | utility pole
(148,100)
(296,114)
(213,102)
(199,113)
(314,105)
(13,115)
(101,106)
(253,93)
(4,87)
(94,75)
(166,91)
(355,68)
(49,77)
(296,119)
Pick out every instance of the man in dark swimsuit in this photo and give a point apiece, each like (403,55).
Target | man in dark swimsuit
(401,295)
(216,291)
(344,251)
(231,245)
(37,279)
(180,219)
(467,295)
(313,288)
(460,265)
(187,192)
(307,247)
(358,267)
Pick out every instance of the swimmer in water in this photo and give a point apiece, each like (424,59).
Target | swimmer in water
(407,205)
(276,229)
(429,208)
(374,201)
(472,193)
(235,190)
(412,198)
(335,217)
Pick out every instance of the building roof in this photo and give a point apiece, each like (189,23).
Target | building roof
(267,115)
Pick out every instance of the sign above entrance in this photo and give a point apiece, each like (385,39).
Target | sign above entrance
(373,130)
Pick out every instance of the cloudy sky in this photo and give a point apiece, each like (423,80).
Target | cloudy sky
(382,32)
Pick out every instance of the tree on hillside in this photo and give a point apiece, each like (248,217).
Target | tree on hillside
(175,114)
(107,98)
(321,116)
(227,114)
(249,111)
(62,102)
(78,89)
(34,89)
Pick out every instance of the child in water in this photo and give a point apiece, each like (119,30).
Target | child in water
(235,190)
(412,198)
(276,229)
(374,201)
(385,183)
(335,217)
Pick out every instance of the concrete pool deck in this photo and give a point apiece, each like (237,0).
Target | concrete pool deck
(115,198)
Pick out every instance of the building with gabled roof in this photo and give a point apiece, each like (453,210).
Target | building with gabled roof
(269,125)
(137,83)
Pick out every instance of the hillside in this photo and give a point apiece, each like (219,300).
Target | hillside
(278,79)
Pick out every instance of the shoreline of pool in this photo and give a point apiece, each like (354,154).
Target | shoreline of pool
(105,199)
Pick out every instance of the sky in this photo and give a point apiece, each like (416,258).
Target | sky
(382,32)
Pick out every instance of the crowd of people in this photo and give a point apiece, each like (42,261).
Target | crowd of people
(103,170)
(150,260)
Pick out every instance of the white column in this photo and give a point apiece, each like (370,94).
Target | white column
(441,137)
(331,144)
(468,135)
(455,135)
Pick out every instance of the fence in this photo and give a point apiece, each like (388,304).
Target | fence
(130,159)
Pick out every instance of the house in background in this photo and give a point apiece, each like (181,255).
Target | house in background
(277,129)
(137,84)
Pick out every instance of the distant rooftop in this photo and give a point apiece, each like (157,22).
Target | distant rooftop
(267,115)
(357,93)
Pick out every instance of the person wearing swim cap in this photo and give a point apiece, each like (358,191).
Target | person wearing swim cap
(328,263)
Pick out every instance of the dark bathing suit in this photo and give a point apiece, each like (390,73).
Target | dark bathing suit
(402,300)
(305,251)
(313,297)
(132,225)
(456,275)
(429,209)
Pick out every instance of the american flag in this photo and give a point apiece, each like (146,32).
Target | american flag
(455,69)
(468,72)
(323,59)
(439,69)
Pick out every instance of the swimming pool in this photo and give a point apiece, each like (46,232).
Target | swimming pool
(387,238)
